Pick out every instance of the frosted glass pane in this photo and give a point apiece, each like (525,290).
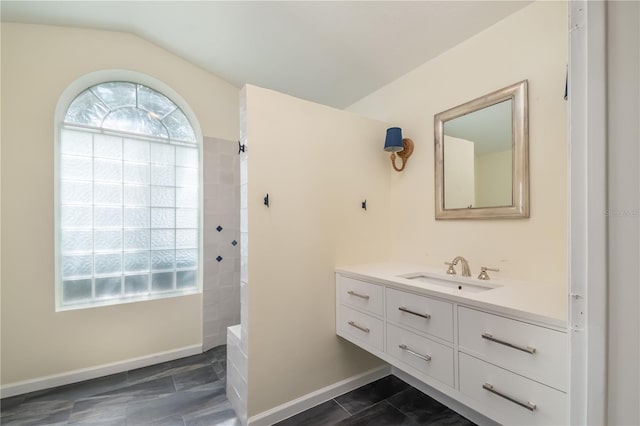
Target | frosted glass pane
(187,157)
(86,109)
(107,216)
(162,260)
(134,120)
(163,218)
(136,262)
(107,170)
(179,127)
(162,281)
(163,154)
(186,218)
(108,264)
(116,94)
(186,279)
(154,102)
(186,176)
(107,240)
(163,175)
(162,239)
(136,195)
(163,196)
(108,146)
(187,238)
(107,193)
(186,258)
(137,239)
(135,150)
(187,197)
(75,143)
(77,168)
(136,284)
(76,192)
(136,217)
(108,287)
(76,241)
(136,173)
(77,266)
(76,290)
(75,216)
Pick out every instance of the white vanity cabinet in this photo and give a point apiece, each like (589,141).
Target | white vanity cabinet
(510,368)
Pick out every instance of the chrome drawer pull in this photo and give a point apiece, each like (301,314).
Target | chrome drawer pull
(527,349)
(404,309)
(359,327)
(529,406)
(406,348)
(362,296)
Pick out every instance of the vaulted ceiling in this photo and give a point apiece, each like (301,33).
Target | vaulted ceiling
(331,52)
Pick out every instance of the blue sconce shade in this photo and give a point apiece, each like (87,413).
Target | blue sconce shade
(393,142)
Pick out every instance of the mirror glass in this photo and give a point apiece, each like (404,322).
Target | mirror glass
(481,159)
(477,158)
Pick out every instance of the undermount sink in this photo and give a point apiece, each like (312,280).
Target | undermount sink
(461,284)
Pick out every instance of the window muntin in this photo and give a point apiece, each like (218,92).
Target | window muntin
(130,108)
(129,198)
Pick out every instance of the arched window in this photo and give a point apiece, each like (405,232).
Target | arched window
(128,199)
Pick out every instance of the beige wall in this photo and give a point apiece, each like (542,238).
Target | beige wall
(530,44)
(317,164)
(493,179)
(623,132)
(38,64)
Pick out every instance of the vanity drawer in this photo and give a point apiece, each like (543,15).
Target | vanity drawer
(362,295)
(363,328)
(425,355)
(421,313)
(532,351)
(550,404)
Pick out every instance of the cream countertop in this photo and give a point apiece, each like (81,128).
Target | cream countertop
(542,303)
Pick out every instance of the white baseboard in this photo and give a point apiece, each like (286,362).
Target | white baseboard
(312,399)
(455,405)
(18,388)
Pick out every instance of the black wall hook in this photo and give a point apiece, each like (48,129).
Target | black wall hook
(364,205)
(241,147)
(266,200)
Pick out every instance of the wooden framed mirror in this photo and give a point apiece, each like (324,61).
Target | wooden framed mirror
(482,157)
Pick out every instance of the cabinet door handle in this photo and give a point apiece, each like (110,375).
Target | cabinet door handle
(529,406)
(527,349)
(418,314)
(362,296)
(414,353)
(359,327)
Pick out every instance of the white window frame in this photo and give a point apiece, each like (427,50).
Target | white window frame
(65,100)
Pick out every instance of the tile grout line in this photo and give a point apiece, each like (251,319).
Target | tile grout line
(340,405)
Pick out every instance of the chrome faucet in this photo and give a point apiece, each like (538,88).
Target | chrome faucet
(465,266)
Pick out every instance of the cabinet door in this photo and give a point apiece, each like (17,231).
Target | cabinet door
(360,328)
(509,398)
(535,352)
(425,355)
(421,313)
(362,295)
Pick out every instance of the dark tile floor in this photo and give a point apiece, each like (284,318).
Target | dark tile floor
(191,391)
(385,402)
(184,392)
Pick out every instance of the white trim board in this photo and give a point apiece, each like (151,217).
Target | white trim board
(46,382)
(312,399)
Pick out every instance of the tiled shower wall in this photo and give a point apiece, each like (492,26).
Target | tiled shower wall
(221,257)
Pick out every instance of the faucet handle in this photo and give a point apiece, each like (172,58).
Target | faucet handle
(450,270)
(483,272)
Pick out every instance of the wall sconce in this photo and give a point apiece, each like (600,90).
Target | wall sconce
(394,143)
